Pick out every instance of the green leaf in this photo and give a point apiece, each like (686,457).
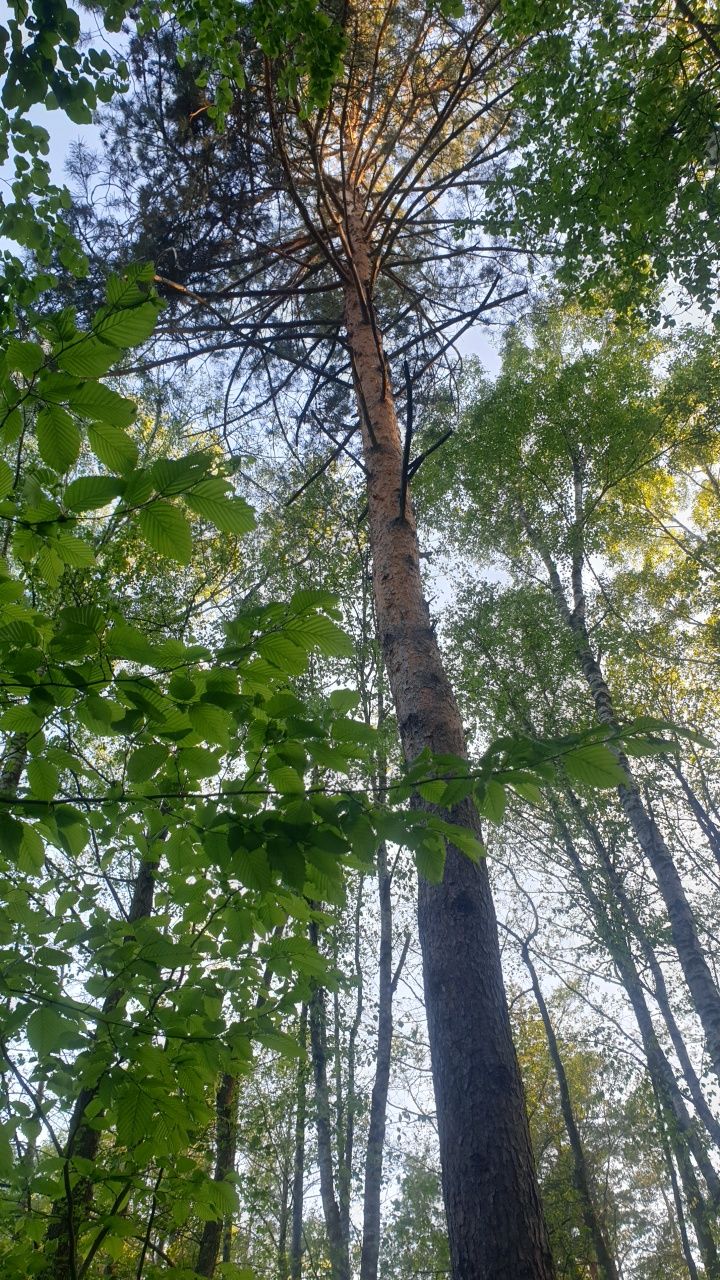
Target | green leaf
(126,327)
(210,499)
(146,761)
(165,528)
(210,723)
(58,438)
(528,791)
(430,859)
(11,834)
(7,479)
(134,1115)
(286,780)
(43,777)
(46,1031)
(74,552)
(32,850)
(26,357)
(20,720)
(491,800)
(113,447)
(595,766)
(90,492)
(315,631)
(198,762)
(98,402)
(88,358)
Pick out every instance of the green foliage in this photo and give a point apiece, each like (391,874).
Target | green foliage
(615,169)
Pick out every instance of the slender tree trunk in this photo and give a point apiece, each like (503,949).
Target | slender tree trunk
(283,1222)
(378,1103)
(495,1221)
(705,821)
(677,1197)
(226,1104)
(337,1241)
(662,998)
(695,967)
(83,1141)
(606,1263)
(298,1186)
(682,1131)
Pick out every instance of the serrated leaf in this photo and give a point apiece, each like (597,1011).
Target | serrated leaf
(26,357)
(101,404)
(20,720)
(32,850)
(528,791)
(88,493)
(87,358)
(210,723)
(430,859)
(124,641)
(74,552)
(43,777)
(286,780)
(315,631)
(165,528)
(126,326)
(7,479)
(146,761)
(492,800)
(283,653)
(595,766)
(134,1115)
(209,499)
(58,438)
(113,447)
(46,1031)
(198,762)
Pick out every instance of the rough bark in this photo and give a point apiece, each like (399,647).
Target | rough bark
(226,1103)
(495,1222)
(606,1268)
(698,975)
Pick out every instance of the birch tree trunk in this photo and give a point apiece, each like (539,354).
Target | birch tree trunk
(337,1241)
(699,978)
(378,1102)
(495,1221)
(606,1263)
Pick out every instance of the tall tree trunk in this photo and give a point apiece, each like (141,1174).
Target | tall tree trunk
(677,1197)
(705,820)
(337,1241)
(662,998)
(699,978)
(682,1131)
(283,1221)
(495,1222)
(226,1104)
(83,1141)
(378,1103)
(298,1186)
(606,1263)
